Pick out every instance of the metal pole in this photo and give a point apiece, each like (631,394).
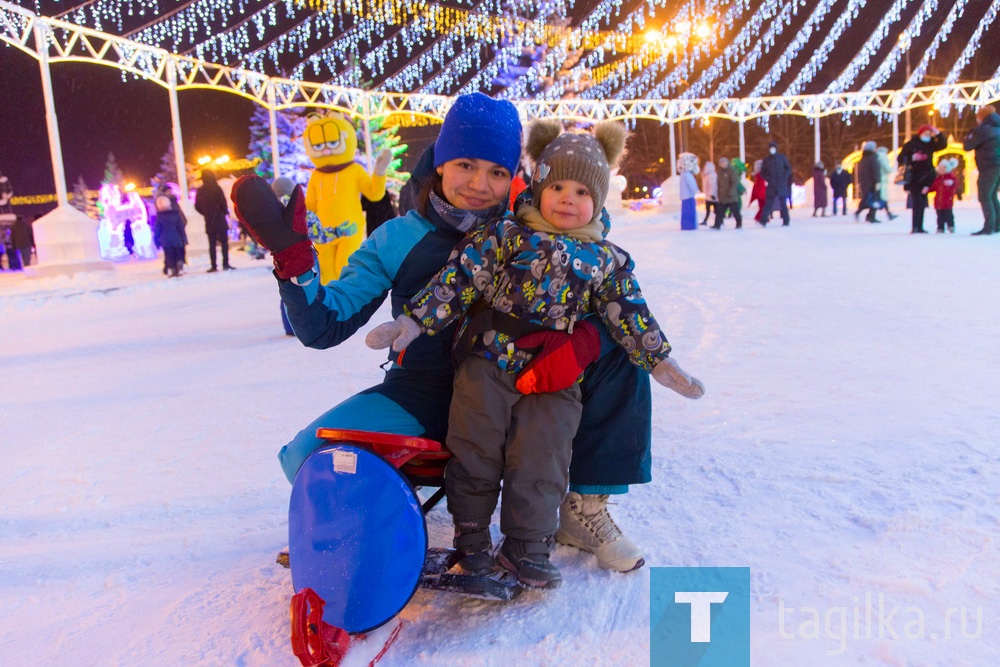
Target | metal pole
(272,116)
(895,133)
(743,142)
(175,118)
(673,151)
(51,121)
(909,126)
(816,140)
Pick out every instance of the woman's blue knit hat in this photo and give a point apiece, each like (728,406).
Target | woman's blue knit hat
(482,128)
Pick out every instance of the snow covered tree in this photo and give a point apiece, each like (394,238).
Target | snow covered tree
(113,173)
(292,160)
(168,169)
(81,199)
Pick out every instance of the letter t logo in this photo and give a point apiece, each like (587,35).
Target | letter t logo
(701,611)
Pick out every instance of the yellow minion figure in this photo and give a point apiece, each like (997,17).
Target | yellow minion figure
(335,188)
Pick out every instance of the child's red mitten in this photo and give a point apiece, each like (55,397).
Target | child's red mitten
(560,359)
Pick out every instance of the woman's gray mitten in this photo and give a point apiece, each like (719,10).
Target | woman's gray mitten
(672,376)
(399,333)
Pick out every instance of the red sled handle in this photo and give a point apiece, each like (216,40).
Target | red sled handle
(314,642)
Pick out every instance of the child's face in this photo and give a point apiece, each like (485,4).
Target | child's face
(567,205)
(472,184)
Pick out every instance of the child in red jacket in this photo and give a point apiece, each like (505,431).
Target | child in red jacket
(945,187)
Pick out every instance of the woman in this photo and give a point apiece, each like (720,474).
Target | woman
(819,189)
(463,181)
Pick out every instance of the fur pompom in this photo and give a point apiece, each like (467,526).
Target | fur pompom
(611,136)
(540,134)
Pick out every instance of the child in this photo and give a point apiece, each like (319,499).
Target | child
(168,232)
(839,182)
(687,163)
(945,187)
(526,283)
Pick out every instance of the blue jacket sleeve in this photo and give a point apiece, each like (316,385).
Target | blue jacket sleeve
(323,316)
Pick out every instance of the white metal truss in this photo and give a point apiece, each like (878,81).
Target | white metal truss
(70,42)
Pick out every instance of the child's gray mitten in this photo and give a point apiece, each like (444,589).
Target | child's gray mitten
(672,376)
(399,333)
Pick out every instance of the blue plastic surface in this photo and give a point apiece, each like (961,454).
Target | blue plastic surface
(356,536)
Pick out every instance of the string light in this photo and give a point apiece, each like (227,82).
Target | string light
(464,45)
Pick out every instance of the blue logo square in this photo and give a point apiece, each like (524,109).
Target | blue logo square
(699,617)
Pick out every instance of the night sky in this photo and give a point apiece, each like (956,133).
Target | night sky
(99,111)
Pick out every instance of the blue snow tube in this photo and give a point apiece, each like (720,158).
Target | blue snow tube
(356,536)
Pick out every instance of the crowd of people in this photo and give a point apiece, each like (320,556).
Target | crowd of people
(771,182)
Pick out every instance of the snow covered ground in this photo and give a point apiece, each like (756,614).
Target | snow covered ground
(846,451)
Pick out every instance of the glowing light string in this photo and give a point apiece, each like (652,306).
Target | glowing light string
(973,46)
(819,57)
(734,51)
(791,52)
(920,71)
(738,77)
(868,49)
(891,61)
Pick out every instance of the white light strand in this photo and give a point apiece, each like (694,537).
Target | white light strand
(973,45)
(917,76)
(632,23)
(791,52)
(913,30)
(693,52)
(868,49)
(819,57)
(735,50)
(738,77)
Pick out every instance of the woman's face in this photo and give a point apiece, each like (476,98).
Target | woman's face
(473,184)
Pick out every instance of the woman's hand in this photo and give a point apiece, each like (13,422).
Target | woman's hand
(280,229)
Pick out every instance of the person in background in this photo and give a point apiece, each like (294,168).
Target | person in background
(917,157)
(729,196)
(168,232)
(13,256)
(869,182)
(6,195)
(709,188)
(128,240)
(819,189)
(777,171)
(885,170)
(839,180)
(22,237)
(740,167)
(945,187)
(210,201)
(687,163)
(985,140)
(377,212)
(517,186)
(758,192)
